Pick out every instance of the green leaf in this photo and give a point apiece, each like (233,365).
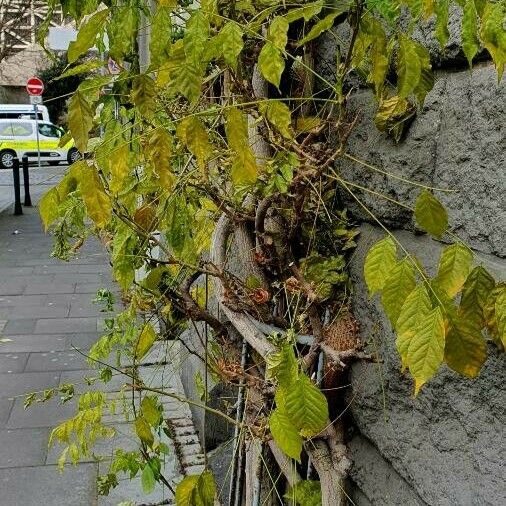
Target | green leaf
(87,35)
(143,95)
(244,167)
(323,25)
(285,434)
(379,262)
(80,118)
(150,411)
(469,31)
(305,493)
(122,254)
(441,30)
(143,430)
(493,34)
(278,32)
(145,341)
(148,479)
(48,207)
(306,406)
(279,115)
(196,490)
(430,214)
(413,311)
(490,312)
(399,284)
(426,348)
(161,35)
(306,12)
(98,204)
(409,67)
(231,43)
(271,63)
(477,288)
(194,137)
(454,267)
(122,31)
(282,366)
(465,347)
(195,38)
(82,68)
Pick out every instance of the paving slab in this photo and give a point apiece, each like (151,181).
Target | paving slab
(44,485)
(47,414)
(23,447)
(12,385)
(43,288)
(56,361)
(5,411)
(31,342)
(12,362)
(23,311)
(12,287)
(20,326)
(63,325)
(82,341)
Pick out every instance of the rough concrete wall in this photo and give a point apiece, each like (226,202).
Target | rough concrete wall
(445,447)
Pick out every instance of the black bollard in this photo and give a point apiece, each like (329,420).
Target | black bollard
(26,182)
(17,190)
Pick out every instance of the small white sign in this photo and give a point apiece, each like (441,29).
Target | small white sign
(35,99)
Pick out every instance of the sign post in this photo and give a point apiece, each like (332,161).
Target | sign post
(35,88)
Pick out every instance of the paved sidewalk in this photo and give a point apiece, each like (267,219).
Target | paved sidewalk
(46,310)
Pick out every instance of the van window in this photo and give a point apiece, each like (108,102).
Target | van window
(15,129)
(49,130)
(20,115)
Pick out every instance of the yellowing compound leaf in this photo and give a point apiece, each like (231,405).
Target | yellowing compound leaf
(393,116)
(454,267)
(148,481)
(430,214)
(87,35)
(470,41)
(490,312)
(278,114)
(441,31)
(413,311)
(285,434)
(306,406)
(195,38)
(143,95)
(80,118)
(465,347)
(305,12)
(194,136)
(119,166)
(379,262)
(500,315)
(143,430)
(271,63)
(426,348)
(399,284)
(97,202)
(145,341)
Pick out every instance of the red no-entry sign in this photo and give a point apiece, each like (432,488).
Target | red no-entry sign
(34,86)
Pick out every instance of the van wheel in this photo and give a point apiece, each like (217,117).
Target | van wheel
(7,158)
(73,155)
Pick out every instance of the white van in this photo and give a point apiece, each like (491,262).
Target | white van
(18,138)
(23,111)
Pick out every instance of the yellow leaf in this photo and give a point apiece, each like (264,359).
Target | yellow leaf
(195,138)
(87,35)
(146,339)
(278,114)
(159,151)
(477,288)
(430,214)
(119,167)
(414,309)
(143,430)
(426,349)
(271,63)
(493,34)
(48,207)
(143,95)
(98,204)
(454,266)
(80,118)
(379,262)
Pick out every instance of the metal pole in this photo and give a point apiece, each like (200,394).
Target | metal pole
(17,190)
(26,182)
(37,132)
